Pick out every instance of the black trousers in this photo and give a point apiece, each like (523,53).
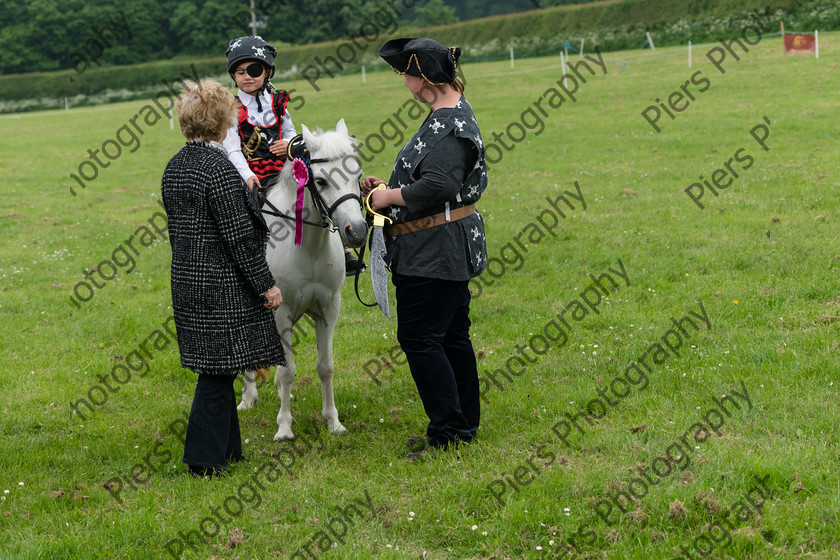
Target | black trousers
(212,438)
(433,330)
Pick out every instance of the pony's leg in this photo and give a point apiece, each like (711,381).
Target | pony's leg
(249,391)
(324,326)
(285,376)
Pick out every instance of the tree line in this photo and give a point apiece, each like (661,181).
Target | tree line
(41,35)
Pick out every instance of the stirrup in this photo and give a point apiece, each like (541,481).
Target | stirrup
(351,264)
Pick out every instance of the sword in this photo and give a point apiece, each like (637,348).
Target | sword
(378,275)
(250,147)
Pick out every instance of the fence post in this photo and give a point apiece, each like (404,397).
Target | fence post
(563,64)
(511,57)
(689,54)
(782,24)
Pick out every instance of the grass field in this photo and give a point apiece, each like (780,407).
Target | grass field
(762,258)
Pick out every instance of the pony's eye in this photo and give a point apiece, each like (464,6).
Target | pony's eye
(321,182)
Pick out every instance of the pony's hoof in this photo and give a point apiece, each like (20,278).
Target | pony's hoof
(245,405)
(338,429)
(284,435)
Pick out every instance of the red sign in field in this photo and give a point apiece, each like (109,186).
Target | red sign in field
(800,44)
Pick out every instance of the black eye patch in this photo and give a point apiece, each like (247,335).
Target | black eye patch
(254,70)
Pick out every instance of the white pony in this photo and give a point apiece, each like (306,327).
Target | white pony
(310,277)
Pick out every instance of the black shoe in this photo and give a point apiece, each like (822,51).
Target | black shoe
(425,453)
(351,263)
(417,443)
(209,472)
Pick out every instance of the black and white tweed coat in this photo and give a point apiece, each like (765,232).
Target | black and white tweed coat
(219,271)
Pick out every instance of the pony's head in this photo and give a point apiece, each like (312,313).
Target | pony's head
(336,173)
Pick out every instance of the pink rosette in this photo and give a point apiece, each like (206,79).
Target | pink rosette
(301,174)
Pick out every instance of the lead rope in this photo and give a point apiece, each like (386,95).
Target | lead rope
(361,262)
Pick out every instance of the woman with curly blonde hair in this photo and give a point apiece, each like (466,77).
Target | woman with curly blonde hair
(222,289)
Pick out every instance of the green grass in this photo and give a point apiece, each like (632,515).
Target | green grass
(761,257)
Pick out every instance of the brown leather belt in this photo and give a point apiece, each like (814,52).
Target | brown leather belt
(394,230)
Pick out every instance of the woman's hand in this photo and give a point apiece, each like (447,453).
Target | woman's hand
(369,183)
(380,199)
(383,197)
(278,148)
(273,298)
(253,181)
(386,197)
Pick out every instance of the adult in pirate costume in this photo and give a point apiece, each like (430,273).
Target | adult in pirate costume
(436,243)
(222,289)
(257,144)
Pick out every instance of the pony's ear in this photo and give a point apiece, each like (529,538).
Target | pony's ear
(307,136)
(341,128)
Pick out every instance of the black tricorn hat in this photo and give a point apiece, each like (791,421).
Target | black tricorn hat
(423,58)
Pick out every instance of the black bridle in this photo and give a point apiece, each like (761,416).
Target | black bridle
(325,211)
(297,148)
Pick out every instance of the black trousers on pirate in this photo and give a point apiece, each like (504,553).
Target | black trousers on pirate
(212,438)
(434,332)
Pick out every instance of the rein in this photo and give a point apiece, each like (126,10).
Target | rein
(361,259)
(276,212)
